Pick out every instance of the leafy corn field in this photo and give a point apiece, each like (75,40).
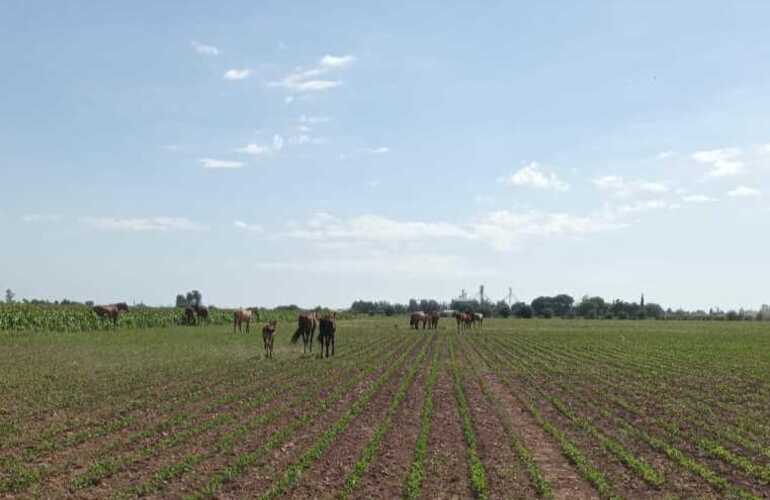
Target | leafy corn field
(520,409)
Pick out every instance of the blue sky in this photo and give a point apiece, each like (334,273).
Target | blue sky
(272,152)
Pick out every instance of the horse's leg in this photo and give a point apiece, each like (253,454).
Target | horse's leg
(332,345)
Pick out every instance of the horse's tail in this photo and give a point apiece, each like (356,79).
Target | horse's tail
(297,335)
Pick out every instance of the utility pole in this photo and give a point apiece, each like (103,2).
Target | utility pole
(481,294)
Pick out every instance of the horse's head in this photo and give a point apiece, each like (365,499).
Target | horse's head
(122,306)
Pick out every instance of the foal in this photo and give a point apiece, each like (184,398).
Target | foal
(268,335)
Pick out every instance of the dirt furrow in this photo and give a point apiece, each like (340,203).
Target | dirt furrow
(565,480)
(446,472)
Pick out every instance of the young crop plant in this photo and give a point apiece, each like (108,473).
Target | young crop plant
(382,428)
(542,485)
(246,460)
(417,470)
(478,474)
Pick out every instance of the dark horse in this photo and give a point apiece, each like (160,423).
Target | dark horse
(306,324)
(196,315)
(111,311)
(432,320)
(268,335)
(327,327)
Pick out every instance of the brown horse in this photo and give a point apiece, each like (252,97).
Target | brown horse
(327,327)
(464,321)
(432,320)
(268,334)
(416,318)
(111,311)
(306,325)
(240,317)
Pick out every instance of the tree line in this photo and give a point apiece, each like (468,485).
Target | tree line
(558,306)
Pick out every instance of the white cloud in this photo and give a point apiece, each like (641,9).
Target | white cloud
(313,120)
(744,192)
(646,206)
(534,176)
(252,228)
(310,80)
(373,228)
(205,50)
(373,183)
(41,217)
(664,154)
(288,99)
(330,61)
(214,163)
(765,149)
(622,188)
(698,198)
(378,151)
(722,162)
(237,74)
(504,229)
(381,263)
(143,224)
(277,142)
(253,149)
(299,140)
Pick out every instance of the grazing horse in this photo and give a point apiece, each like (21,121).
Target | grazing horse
(240,317)
(327,327)
(478,319)
(463,321)
(306,325)
(202,314)
(189,315)
(416,318)
(111,311)
(432,320)
(268,334)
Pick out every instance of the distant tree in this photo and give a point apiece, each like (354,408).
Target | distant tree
(9,295)
(413,305)
(181,301)
(502,309)
(89,303)
(521,310)
(733,316)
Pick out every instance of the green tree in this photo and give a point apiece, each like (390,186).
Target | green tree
(9,295)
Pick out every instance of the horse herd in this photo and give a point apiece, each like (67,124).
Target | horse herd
(429,320)
(307,323)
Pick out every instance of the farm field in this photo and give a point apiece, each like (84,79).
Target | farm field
(520,409)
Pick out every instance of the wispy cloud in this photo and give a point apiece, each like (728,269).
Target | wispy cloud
(237,74)
(722,162)
(646,206)
(277,142)
(622,188)
(664,155)
(41,217)
(252,228)
(377,151)
(698,198)
(313,120)
(744,192)
(254,149)
(205,50)
(503,230)
(330,61)
(143,224)
(224,164)
(535,176)
(312,80)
